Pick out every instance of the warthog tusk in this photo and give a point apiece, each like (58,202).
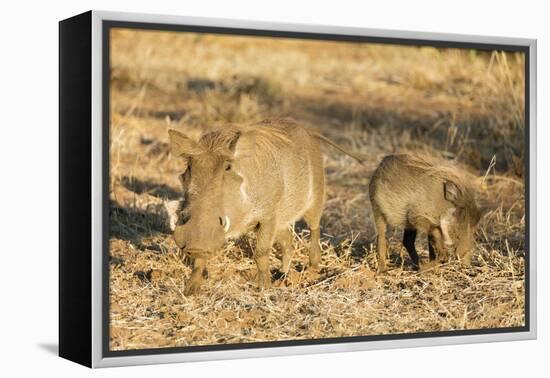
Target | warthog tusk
(172,208)
(226,224)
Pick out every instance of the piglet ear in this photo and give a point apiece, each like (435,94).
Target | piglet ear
(451,192)
(181,145)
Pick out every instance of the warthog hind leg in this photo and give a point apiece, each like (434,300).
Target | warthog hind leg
(382,247)
(266,236)
(313,218)
(284,239)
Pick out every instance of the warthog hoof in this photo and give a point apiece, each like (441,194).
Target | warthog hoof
(264,281)
(429,266)
(314,266)
(466,260)
(192,287)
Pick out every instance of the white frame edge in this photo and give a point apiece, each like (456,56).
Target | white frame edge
(97,186)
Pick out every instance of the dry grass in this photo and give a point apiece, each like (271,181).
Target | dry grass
(462,105)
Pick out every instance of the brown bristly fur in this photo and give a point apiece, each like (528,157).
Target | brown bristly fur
(269,136)
(436,167)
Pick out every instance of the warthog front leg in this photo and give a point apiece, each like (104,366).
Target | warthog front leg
(436,245)
(409,237)
(266,236)
(313,219)
(192,285)
(431,247)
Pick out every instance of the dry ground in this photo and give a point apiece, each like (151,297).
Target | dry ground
(462,105)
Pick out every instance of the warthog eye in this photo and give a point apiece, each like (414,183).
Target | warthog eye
(183,219)
(221,221)
(227,166)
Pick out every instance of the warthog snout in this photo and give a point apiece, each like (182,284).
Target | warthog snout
(200,237)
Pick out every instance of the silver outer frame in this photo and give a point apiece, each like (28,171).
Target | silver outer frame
(97,217)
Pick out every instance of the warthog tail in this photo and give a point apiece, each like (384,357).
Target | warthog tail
(360,158)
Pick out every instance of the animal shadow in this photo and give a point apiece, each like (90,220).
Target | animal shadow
(142,186)
(133,224)
(357,251)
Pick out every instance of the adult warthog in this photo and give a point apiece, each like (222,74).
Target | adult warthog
(420,193)
(262,177)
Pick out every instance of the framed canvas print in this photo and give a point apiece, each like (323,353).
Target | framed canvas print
(233,189)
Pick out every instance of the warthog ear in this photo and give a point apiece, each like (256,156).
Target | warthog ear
(233,142)
(182,145)
(451,192)
(229,147)
(243,146)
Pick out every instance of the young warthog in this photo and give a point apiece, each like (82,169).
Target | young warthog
(239,178)
(421,194)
